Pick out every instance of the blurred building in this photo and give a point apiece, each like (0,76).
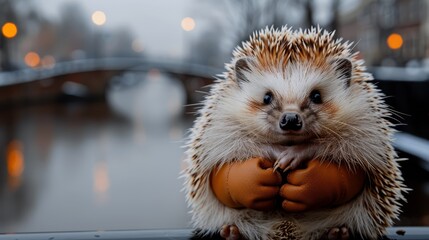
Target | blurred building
(72,36)
(388,32)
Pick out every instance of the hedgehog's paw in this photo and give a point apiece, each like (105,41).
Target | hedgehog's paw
(230,232)
(287,160)
(338,233)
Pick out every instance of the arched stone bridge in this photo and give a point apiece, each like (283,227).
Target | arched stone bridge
(94,75)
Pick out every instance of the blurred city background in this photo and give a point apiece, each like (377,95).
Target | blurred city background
(97,96)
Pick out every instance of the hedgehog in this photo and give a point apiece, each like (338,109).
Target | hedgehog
(321,104)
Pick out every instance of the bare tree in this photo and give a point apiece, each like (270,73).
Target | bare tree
(235,20)
(232,22)
(311,8)
(246,16)
(73,31)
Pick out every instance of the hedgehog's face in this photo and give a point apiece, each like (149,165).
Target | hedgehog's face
(294,104)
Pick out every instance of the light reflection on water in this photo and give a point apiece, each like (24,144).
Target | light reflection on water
(94,166)
(14,164)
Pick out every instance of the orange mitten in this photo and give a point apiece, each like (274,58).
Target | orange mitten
(248,184)
(320,185)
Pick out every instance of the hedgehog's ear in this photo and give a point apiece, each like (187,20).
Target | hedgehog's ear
(241,66)
(344,68)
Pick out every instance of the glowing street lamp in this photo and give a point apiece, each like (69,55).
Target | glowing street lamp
(98,18)
(32,59)
(395,41)
(9,30)
(188,24)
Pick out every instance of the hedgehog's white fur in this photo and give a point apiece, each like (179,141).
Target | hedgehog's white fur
(358,133)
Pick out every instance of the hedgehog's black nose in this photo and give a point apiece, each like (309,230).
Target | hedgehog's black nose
(290,121)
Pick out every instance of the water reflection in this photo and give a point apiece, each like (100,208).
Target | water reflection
(101,181)
(151,98)
(14,164)
(91,166)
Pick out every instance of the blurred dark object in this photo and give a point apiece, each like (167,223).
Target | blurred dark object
(406,91)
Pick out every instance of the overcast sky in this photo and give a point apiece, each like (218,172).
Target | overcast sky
(156,23)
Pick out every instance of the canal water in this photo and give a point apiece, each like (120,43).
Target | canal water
(113,164)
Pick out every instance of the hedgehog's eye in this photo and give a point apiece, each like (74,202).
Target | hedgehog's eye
(316,97)
(268,98)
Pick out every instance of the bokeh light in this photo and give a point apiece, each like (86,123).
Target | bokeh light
(101,177)
(9,30)
(48,61)
(32,59)
(99,18)
(188,24)
(395,41)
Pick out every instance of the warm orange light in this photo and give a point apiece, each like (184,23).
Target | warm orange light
(99,18)
(9,30)
(101,178)
(15,159)
(395,41)
(32,59)
(188,24)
